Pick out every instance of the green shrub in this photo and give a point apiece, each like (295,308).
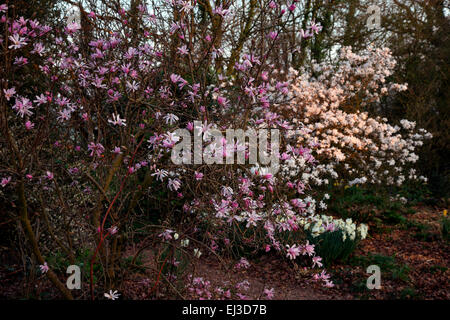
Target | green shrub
(445,228)
(332,247)
(389,266)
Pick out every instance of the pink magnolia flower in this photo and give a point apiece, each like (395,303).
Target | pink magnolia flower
(243,285)
(160,174)
(220,11)
(17,41)
(243,264)
(5,181)
(170,118)
(74,170)
(133,86)
(117,121)
(9,93)
(166,235)
(198,176)
(265,76)
(269,293)
(222,101)
(324,276)
(23,107)
(183,50)
(175,78)
(252,219)
(49,175)
(267,176)
(64,115)
(44,268)
(174,184)
(29,125)
(113,230)
(292,251)
(273,35)
(305,34)
(112,295)
(241,296)
(308,249)
(317,261)
(73,27)
(315,28)
(96,149)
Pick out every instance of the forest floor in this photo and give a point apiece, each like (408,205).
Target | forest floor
(413,259)
(412,256)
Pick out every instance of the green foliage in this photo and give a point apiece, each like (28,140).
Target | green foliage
(365,205)
(389,267)
(415,192)
(445,228)
(437,268)
(128,262)
(409,293)
(420,231)
(331,246)
(392,217)
(59,262)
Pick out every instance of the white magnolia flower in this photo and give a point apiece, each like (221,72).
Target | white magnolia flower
(117,120)
(160,174)
(170,118)
(197,253)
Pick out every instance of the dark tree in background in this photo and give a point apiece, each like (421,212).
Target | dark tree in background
(420,42)
(417,32)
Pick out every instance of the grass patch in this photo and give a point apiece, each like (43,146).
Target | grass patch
(368,206)
(389,266)
(445,228)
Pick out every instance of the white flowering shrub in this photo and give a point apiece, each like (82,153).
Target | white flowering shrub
(329,103)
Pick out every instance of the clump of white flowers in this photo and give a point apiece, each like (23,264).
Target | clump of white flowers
(320,224)
(328,105)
